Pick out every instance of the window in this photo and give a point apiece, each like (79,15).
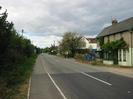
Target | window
(119,55)
(124,55)
(108,56)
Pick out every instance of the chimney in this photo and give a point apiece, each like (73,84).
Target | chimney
(114,21)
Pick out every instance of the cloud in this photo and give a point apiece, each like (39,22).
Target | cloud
(43,18)
(106,25)
(44,41)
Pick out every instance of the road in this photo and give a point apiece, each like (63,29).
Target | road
(57,78)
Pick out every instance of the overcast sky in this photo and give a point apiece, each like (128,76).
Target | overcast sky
(45,21)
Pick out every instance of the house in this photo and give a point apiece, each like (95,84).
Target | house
(89,49)
(90,43)
(119,30)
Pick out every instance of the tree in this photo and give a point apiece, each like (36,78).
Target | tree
(70,43)
(15,51)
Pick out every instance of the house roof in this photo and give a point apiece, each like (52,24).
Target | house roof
(91,40)
(122,26)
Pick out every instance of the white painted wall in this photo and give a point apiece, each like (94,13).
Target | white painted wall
(108,62)
(89,45)
(128,58)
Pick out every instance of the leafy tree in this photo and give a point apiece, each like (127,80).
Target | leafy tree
(100,40)
(46,50)
(70,43)
(14,50)
(38,50)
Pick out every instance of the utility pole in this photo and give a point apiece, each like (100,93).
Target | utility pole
(22,32)
(54,43)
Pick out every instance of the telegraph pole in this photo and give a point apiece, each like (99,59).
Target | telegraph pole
(22,32)
(54,43)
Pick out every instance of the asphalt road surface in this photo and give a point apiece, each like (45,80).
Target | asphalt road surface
(58,78)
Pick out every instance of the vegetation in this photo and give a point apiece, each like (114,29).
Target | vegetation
(101,41)
(16,57)
(114,45)
(111,48)
(79,56)
(70,43)
(53,50)
(18,86)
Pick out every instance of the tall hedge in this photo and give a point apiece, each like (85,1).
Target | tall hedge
(14,50)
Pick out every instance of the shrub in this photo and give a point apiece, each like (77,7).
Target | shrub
(94,63)
(79,56)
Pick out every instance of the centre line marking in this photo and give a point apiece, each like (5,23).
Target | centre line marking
(96,78)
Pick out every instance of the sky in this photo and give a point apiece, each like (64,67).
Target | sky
(45,21)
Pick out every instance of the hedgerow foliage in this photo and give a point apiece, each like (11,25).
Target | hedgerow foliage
(14,50)
(114,45)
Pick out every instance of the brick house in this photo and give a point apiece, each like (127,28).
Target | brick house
(116,31)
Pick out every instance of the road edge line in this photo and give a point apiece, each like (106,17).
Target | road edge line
(57,87)
(29,88)
(62,94)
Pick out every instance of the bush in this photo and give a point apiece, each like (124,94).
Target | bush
(12,80)
(94,63)
(79,56)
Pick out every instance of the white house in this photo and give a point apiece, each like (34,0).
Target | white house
(90,43)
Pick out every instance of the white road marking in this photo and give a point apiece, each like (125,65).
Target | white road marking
(62,94)
(29,88)
(128,92)
(96,78)
(58,88)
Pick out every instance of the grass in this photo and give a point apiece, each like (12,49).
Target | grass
(21,89)
(18,80)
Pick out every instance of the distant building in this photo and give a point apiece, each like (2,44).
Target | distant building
(116,31)
(90,43)
(89,49)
